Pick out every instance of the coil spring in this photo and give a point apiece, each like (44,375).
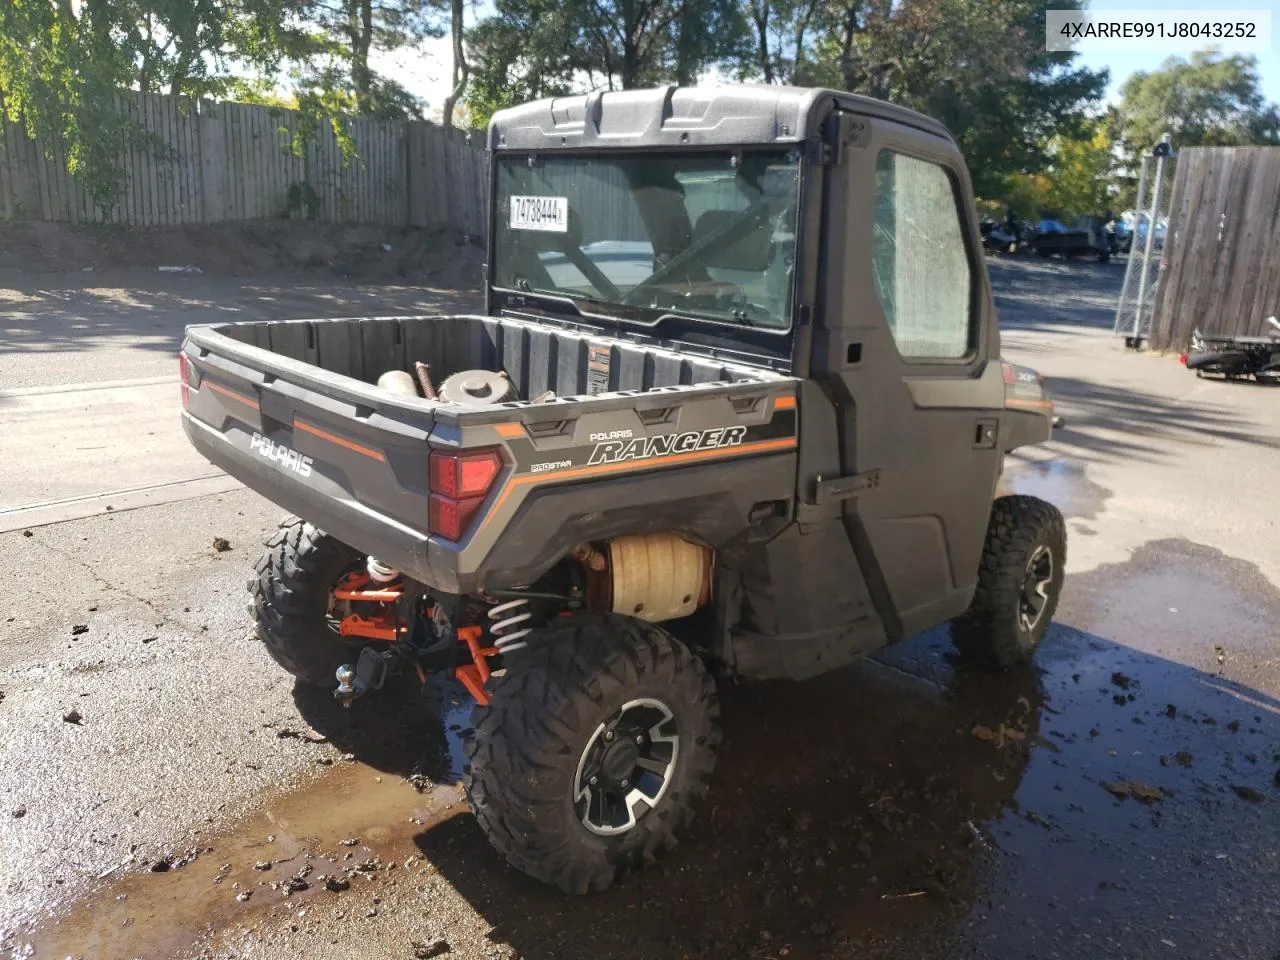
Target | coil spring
(505,621)
(379,572)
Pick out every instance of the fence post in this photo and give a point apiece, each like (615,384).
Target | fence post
(1128,267)
(1161,155)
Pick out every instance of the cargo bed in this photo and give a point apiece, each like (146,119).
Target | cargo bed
(292,409)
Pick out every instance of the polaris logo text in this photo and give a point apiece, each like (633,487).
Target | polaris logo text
(287,458)
(644,448)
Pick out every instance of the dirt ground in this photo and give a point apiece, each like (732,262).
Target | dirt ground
(353,252)
(167,792)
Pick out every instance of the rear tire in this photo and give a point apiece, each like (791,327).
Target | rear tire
(559,716)
(1227,362)
(1019,581)
(291,595)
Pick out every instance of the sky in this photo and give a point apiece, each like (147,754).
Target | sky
(425,71)
(1122,66)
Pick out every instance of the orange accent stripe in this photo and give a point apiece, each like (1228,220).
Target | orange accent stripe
(233,394)
(1030,404)
(509,429)
(340,441)
(784,403)
(760,446)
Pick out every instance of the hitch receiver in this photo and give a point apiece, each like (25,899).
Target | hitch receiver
(370,673)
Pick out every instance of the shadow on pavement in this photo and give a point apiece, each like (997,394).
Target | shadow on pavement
(406,730)
(1033,293)
(150,310)
(841,809)
(1116,803)
(1109,422)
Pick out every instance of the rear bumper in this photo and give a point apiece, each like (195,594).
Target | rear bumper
(370,532)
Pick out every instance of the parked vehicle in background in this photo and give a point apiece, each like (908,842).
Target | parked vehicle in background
(1003,236)
(1131,228)
(1087,238)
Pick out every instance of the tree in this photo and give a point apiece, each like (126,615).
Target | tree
(59,75)
(63,66)
(1210,100)
(779,32)
(461,70)
(335,63)
(532,48)
(518,55)
(1079,172)
(978,66)
(195,47)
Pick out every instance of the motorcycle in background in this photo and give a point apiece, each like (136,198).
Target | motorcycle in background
(1001,237)
(1236,357)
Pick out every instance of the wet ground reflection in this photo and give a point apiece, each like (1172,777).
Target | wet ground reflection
(1116,800)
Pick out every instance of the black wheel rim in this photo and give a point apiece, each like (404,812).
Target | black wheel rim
(626,767)
(1033,598)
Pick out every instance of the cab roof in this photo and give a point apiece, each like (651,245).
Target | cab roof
(686,116)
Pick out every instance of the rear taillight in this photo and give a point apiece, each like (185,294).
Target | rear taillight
(186,380)
(459,483)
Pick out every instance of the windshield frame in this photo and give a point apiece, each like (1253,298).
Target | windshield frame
(666,324)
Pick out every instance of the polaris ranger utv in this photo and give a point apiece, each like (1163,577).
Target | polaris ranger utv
(736,407)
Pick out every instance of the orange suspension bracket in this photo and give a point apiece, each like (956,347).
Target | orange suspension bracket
(352,587)
(374,628)
(475,674)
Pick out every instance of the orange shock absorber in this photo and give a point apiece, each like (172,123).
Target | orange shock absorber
(475,675)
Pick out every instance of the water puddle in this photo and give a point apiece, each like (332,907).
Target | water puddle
(317,843)
(349,829)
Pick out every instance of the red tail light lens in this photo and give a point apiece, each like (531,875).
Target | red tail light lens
(184,376)
(1007,374)
(461,475)
(451,518)
(459,483)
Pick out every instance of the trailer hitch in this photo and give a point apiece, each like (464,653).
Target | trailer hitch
(370,673)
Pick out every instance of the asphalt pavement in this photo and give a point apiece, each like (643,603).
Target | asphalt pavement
(166,791)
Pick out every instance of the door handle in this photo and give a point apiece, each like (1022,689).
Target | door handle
(984,433)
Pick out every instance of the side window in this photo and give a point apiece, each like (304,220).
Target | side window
(921,272)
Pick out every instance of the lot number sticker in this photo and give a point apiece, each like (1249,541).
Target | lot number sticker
(540,213)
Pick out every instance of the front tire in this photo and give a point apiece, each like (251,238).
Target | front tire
(291,601)
(1019,582)
(597,743)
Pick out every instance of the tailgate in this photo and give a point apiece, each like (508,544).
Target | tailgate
(340,453)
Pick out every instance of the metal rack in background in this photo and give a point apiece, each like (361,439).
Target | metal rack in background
(1142,272)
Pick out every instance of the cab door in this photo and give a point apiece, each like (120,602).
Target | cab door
(909,356)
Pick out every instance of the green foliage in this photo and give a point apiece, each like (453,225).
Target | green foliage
(339,38)
(302,200)
(977,65)
(59,74)
(537,48)
(516,56)
(1210,100)
(1079,172)
(1077,179)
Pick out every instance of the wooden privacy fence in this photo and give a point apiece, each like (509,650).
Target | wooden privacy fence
(1221,270)
(205,162)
